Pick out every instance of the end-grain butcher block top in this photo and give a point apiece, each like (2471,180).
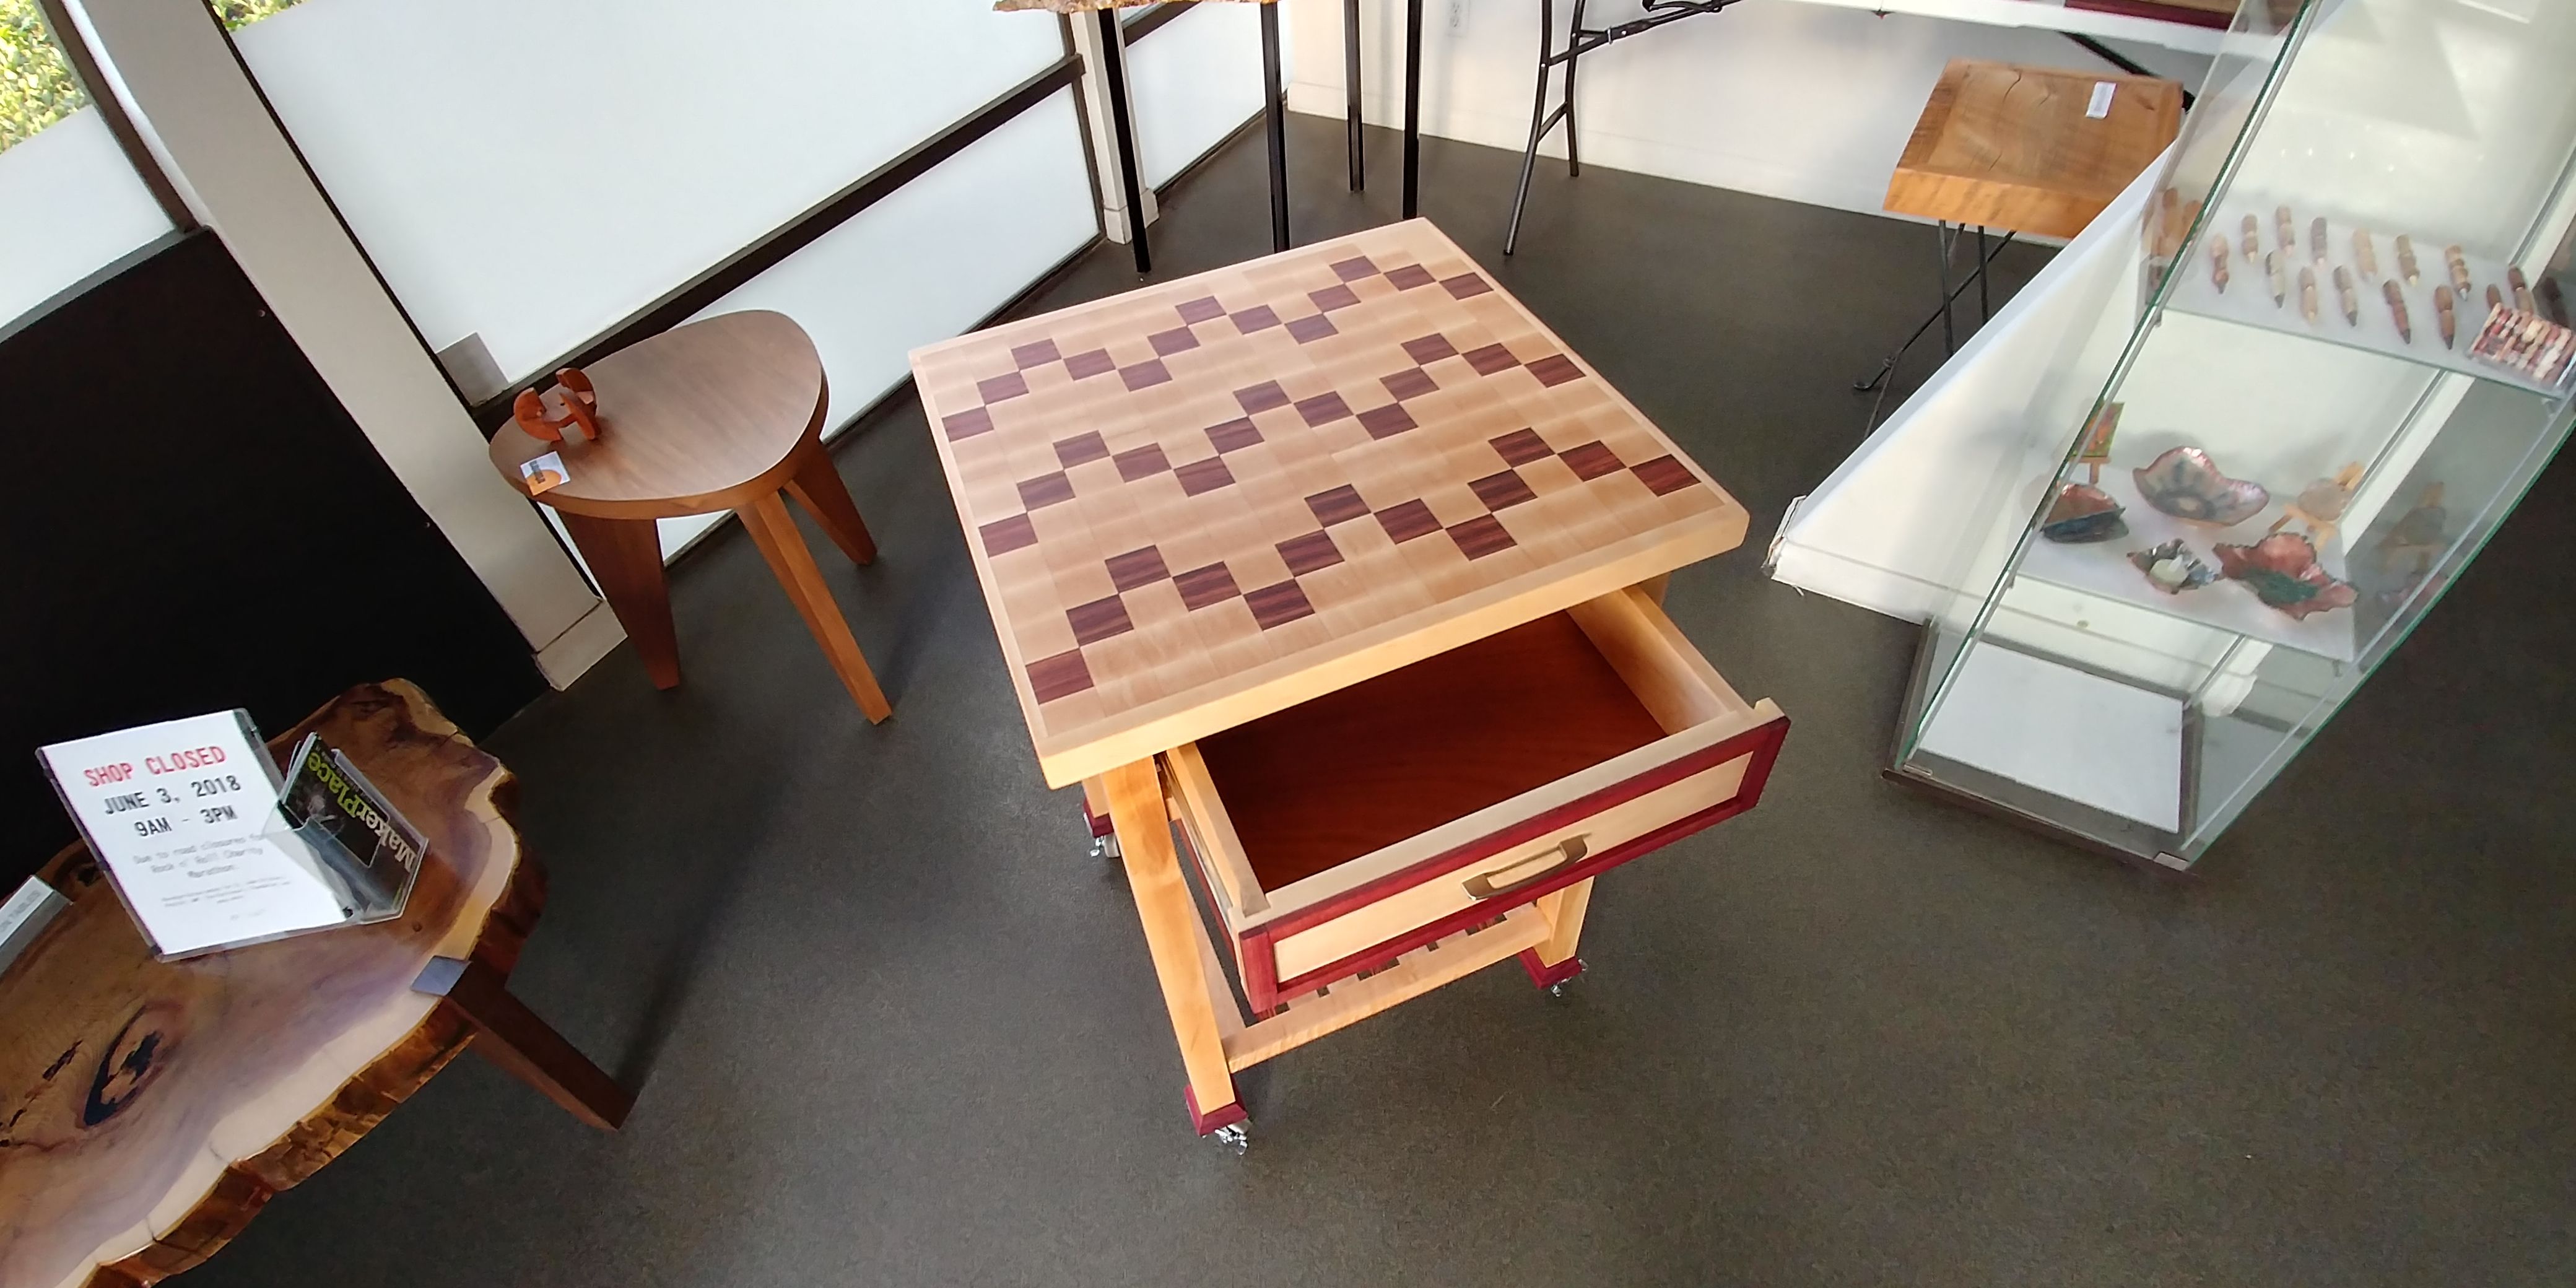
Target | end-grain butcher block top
(1204,501)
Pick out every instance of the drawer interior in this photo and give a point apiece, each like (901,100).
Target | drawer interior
(1348,774)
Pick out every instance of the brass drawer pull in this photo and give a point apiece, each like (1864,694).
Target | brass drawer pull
(1481,885)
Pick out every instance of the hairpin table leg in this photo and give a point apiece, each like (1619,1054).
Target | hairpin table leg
(1351,92)
(1275,122)
(1412,108)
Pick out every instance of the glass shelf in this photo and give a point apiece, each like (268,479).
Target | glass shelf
(2103,568)
(2247,299)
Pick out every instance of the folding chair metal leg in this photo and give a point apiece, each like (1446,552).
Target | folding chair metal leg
(1539,121)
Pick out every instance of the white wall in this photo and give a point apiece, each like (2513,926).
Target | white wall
(1807,101)
(927,262)
(536,170)
(70,205)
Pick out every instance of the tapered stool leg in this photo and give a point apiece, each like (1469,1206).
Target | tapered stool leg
(773,529)
(625,558)
(818,487)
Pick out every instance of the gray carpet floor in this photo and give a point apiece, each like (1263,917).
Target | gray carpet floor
(891,1025)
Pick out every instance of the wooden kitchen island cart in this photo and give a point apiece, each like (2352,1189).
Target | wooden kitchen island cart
(1336,573)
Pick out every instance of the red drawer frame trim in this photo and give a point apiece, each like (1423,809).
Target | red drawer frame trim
(1263,988)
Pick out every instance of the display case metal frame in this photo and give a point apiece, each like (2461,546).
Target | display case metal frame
(2251,691)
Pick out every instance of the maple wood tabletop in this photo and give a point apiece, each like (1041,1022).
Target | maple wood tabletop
(1210,499)
(693,420)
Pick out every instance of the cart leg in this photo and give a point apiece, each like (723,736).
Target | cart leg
(1163,906)
(1553,965)
(1095,814)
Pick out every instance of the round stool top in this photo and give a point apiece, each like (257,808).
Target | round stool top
(692,420)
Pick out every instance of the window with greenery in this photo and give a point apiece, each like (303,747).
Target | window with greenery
(37,87)
(238,14)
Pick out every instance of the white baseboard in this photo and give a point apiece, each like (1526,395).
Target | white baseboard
(580,646)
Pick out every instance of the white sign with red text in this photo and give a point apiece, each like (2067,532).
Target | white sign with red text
(178,813)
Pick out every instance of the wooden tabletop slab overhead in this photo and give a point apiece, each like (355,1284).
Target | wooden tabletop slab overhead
(1210,499)
(2030,149)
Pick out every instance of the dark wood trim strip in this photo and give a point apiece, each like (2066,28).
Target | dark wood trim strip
(1766,750)
(760,256)
(2179,15)
(1154,19)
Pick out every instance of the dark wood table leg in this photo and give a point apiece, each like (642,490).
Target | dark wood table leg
(773,529)
(819,488)
(511,1036)
(625,558)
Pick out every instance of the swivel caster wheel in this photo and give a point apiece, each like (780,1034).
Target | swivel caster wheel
(1232,1138)
(1556,981)
(1105,848)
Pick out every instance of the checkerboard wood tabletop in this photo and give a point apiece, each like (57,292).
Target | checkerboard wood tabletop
(1211,499)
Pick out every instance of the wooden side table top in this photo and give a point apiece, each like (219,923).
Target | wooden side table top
(148,1109)
(694,420)
(1207,500)
(2014,148)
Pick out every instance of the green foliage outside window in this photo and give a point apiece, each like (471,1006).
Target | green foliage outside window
(238,14)
(37,87)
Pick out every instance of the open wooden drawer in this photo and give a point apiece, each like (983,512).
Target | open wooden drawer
(1339,834)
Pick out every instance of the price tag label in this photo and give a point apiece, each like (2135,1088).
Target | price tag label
(179,813)
(2101,105)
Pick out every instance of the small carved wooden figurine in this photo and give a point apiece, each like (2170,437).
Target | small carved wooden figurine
(2320,504)
(578,403)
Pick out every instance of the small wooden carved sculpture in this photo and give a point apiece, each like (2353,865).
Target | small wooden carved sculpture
(2320,504)
(573,394)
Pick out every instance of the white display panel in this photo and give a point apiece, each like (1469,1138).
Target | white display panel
(71,205)
(2064,731)
(1194,80)
(927,262)
(537,170)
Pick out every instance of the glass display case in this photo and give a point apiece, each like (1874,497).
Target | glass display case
(2346,359)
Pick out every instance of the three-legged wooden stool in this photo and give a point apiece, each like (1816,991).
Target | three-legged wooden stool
(720,414)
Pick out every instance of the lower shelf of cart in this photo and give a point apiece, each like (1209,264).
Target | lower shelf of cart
(1308,1016)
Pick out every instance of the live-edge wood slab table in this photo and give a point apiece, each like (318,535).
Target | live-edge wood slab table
(1341,564)
(150,1109)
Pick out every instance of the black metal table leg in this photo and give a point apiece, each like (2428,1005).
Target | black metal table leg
(1113,68)
(1412,108)
(1985,302)
(1573,57)
(1949,331)
(1351,86)
(1871,381)
(1275,115)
